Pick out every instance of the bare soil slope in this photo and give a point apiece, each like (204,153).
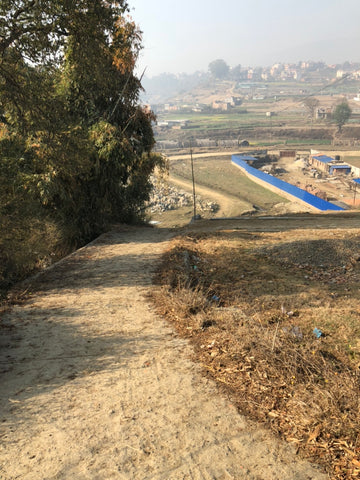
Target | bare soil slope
(94,385)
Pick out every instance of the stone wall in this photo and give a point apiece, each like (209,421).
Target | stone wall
(167,197)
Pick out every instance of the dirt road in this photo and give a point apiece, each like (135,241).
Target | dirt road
(94,385)
(229,205)
(186,156)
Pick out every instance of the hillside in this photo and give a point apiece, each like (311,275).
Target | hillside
(271,308)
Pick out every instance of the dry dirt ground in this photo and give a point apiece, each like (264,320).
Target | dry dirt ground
(94,385)
(228,205)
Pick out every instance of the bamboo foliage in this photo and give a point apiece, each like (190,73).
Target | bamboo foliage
(75,145)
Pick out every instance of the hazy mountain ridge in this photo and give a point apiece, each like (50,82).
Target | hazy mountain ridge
(166,87)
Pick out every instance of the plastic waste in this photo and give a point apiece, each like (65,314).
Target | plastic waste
(318,333)
(297,333)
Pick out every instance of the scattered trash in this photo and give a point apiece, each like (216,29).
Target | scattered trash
(294,331)
(297,332)
(318,333)
(215,298)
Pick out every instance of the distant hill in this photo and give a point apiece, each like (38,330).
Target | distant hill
(202,86)
(165,86)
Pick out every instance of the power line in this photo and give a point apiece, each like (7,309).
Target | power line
(331,84)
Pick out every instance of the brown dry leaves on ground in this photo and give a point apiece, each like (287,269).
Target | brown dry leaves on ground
(251,303)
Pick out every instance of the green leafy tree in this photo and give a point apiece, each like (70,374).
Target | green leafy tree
(69,90)
(102,94)
(75,145)
(341,114)
(219,69)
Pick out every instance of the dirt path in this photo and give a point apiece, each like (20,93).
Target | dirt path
(229,205)
(186,156)
(95,386)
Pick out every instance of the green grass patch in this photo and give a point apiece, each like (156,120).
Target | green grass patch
(219,174)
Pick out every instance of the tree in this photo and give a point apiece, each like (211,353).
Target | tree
(75,145)
(341,114)
(236,73)
(219,69)
(68,89)
(101,93)
(311,104)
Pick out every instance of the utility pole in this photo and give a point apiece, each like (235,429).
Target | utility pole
(193,181)
(355,185)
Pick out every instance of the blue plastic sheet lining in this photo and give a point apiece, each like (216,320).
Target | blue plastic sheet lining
(296,192)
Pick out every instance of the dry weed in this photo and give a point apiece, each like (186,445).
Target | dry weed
(280,333)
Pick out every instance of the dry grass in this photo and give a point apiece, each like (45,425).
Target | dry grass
(27,245)
(249,303)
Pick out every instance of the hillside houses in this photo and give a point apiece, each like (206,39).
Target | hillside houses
(177,124)
(234,101)
(323,113)
(354,75)
(219,105)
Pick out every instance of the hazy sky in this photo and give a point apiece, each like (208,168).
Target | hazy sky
(186,35)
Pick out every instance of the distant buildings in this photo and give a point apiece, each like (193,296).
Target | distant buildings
(219,105)
(173,124)
(323,113)
(329,165)
(254,83)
